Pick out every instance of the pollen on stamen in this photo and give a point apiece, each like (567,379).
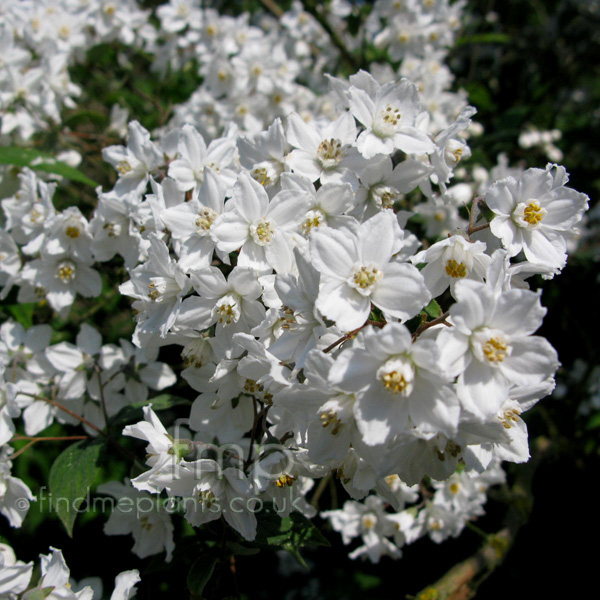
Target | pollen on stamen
(285,481)
(330,151)
(66,272)
(124,167)
(366,277)
(495,350)
(260,174)
(72,231)
(394,382)
(533,213)
(455,269)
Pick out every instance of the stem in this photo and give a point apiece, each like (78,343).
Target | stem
(311,7)
(319,491)
(101,388)
(351,334)
(429,324)
(462,581)
(273,8)
(252,433)
(34,440)
(105,435)
(473,218)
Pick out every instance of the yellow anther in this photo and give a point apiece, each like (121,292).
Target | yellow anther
(495,350)
(456,269)
(205,219)
(72,231)
(366,277)
(330,149)
(260,174)
(66,272)
(285,480)
(394,382)
(533,213)
(124,167)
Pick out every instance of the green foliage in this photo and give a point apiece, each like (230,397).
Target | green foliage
(287,533)
(200,573)
(71,478)
(134,413)
(41,161)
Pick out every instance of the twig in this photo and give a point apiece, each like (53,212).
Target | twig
(438,321)
(320,489)
(473,218)
(351,334)
(462,581)
(273,8)
(311,7)
(34,440)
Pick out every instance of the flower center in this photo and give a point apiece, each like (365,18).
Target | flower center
(113,229)
(72,231)
(260,174)
(205,219)
(66,272)
(365,278)
(262,232)
(124,167)
(384,196)
(456,269)
(495,350)
(369,521)
(285,481)
(330,152)
(397,376)
(529,215)
(330,418)
(314,218)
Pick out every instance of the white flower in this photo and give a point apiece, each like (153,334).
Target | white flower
(140,515)
(357,269)
(398,385)
(491,345)
(536,214)
(259,227)
(392,117)
(452,260)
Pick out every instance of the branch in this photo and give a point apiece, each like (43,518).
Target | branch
(351,334)
(429,324)
(462,581)
(473,218)
(311,7)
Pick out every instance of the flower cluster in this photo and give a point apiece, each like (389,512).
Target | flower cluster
(306,251)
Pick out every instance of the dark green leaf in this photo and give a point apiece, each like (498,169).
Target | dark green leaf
(200,573)
(133,413)
(240,549)
(433,310)
(71,477)
(593,421)
(22,313)
(40,161)
(288,533)
(484,38)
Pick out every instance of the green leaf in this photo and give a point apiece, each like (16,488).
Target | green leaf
(288,533)
(38,593)
(22,313)
(133,412)
(200,573)
(593,421)
(40,161)
(484,38)
(241,550)
(433,310)
(71,477)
